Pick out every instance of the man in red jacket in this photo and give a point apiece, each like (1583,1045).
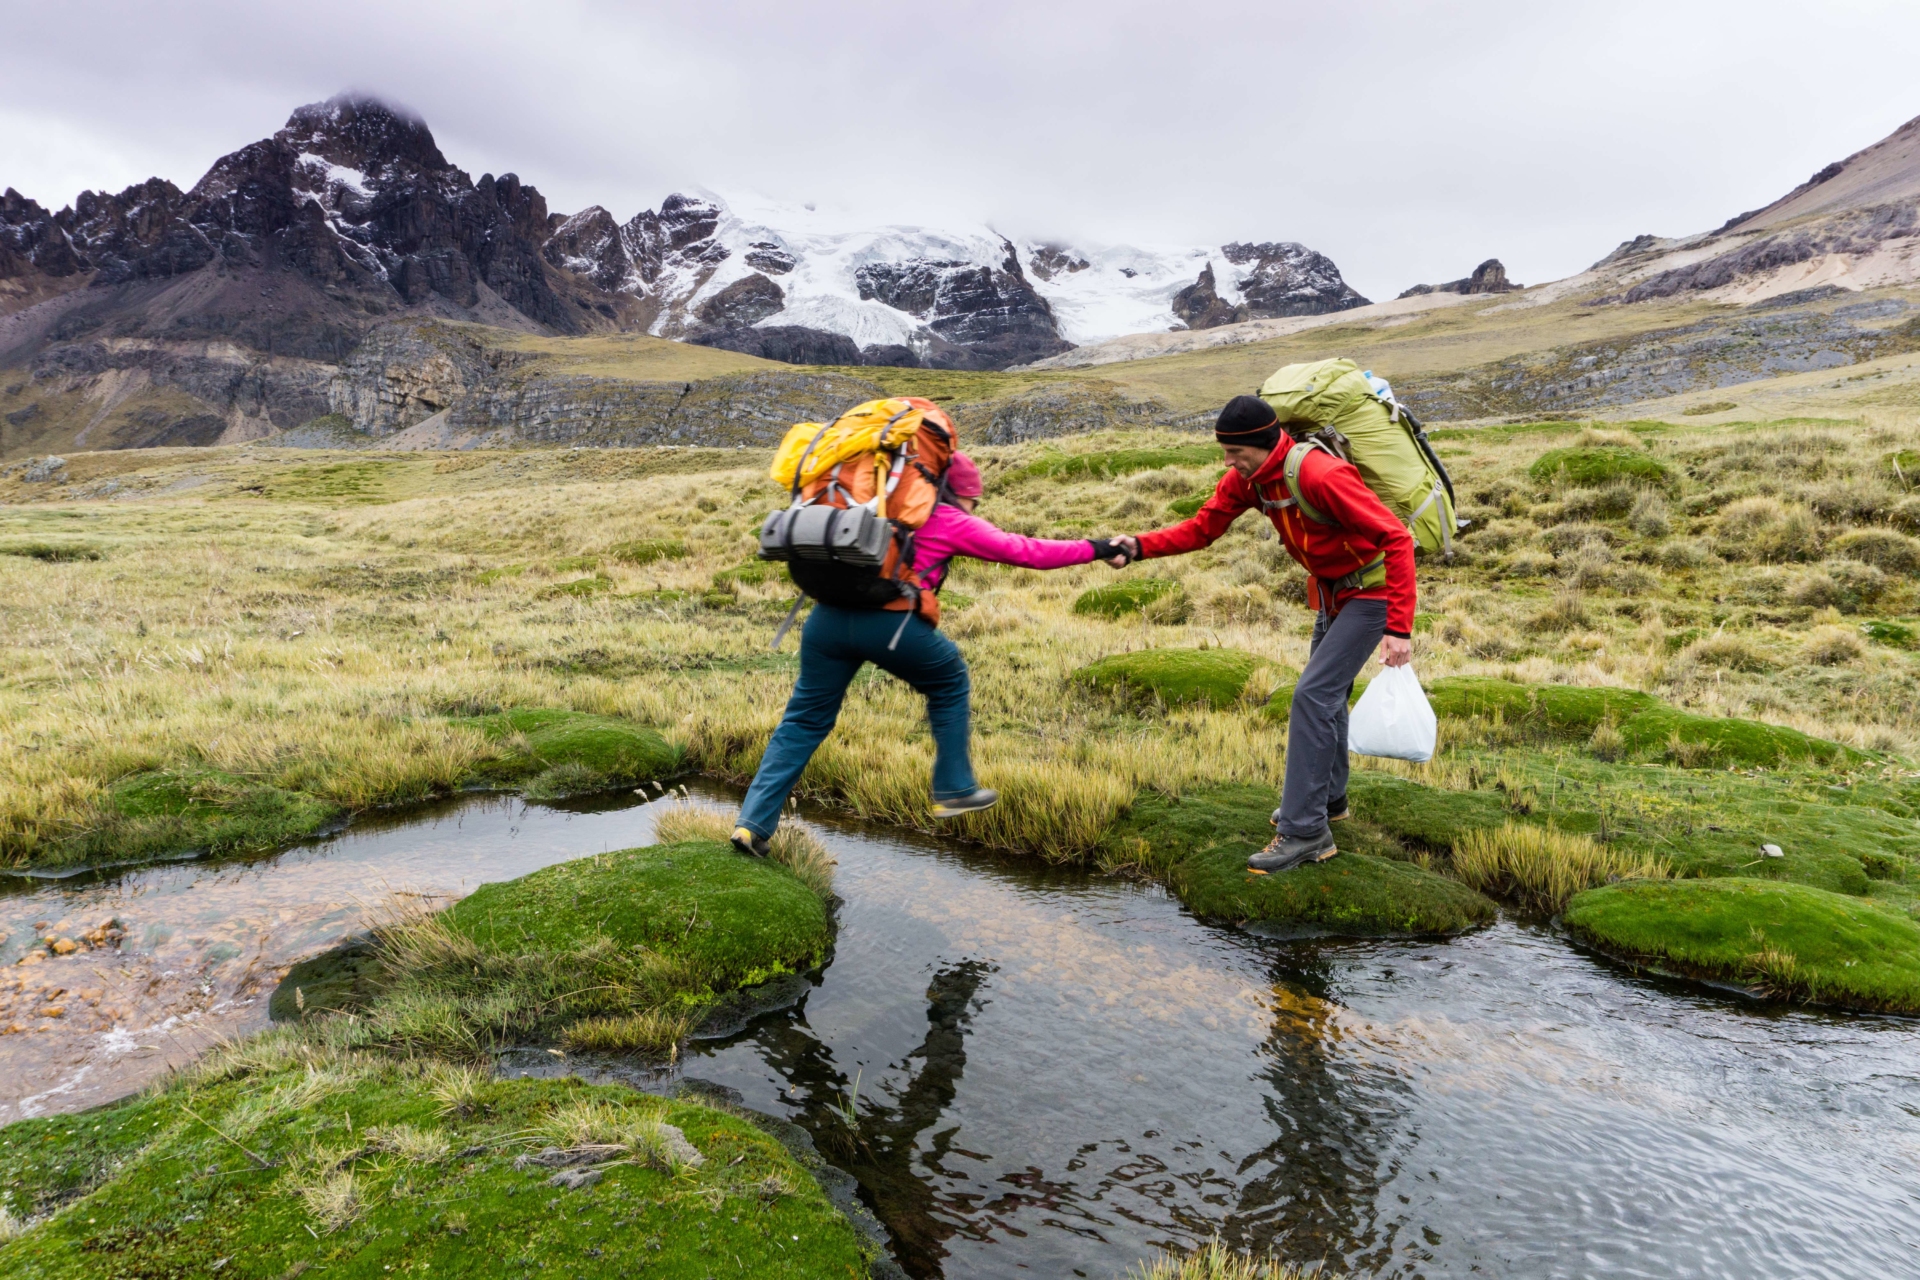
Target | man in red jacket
(1359,561)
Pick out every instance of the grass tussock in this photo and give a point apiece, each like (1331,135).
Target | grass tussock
(332,1200)
(1544,868)
(795,845)
(658,1032)
(1215,1261)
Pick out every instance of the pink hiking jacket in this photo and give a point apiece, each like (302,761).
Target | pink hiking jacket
(951,532)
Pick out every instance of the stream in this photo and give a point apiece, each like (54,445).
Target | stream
(1037,1071)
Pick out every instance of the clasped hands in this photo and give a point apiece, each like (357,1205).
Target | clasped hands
(1124,550)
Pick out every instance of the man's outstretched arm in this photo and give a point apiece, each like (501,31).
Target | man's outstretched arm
(1203,528)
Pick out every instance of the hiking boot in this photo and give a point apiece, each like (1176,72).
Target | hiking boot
(980,799)
(1284,853)
(750,844)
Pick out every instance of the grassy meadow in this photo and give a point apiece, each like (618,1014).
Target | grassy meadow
(220,648)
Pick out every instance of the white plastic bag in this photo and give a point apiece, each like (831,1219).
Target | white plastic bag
(1393,718)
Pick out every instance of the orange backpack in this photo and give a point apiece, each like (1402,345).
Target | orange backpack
(861,485)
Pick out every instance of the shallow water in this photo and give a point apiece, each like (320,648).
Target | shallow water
(206,942)
(1057,1073)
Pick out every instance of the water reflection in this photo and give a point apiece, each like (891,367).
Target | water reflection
(1118,1077)
(875,1132)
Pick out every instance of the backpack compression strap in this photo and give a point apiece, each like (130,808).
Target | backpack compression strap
(1367,575)
(1296,458)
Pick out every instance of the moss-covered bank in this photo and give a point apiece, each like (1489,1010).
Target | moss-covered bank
(1647,726)
(1787,940)
(1198,844)
(545,753)
(281,1159)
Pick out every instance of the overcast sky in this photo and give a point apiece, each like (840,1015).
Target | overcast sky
(1408,140)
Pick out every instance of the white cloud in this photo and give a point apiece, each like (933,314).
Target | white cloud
(1408,140)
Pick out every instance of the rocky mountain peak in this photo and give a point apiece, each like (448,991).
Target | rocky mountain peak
(1491,276)
(363,134)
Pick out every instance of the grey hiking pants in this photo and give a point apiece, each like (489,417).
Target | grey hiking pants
(1317,725)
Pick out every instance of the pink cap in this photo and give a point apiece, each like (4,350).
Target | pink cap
(963,477)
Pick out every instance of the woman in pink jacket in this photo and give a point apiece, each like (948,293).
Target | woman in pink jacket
(837,642)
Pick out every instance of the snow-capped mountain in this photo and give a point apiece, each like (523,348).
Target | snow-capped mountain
(299,242)
(785,282)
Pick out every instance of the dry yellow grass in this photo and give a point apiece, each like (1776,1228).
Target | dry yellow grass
(1543,868)
(1215,1261)
(795,846)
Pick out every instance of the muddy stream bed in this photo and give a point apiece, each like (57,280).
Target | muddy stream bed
(1052,1073)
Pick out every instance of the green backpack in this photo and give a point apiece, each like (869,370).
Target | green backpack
(1351,413)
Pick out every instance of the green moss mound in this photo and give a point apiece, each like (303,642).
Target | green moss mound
(1118,462)
(1647,725)
(152,1188)
(162,812)
(750,573)
(579,588)
(1189,505)
(1176,677)
(738,920)
(1199,843)
(347,977)
(648,550)
(1593,467)
(1894,635)
(554,753)
(1791,940)
(1130,595)
(50,551)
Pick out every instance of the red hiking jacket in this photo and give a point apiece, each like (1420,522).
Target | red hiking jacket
(1363,529)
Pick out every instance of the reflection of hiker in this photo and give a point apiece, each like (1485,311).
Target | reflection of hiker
(836,641)
(896,1132)
(1359,559)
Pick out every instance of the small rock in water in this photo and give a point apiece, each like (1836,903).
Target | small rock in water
(62,946)
(1773,851)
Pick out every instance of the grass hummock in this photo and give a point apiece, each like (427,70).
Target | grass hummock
(1593,467)
(1174,677)
(1215,1261)
(1788,940)
(159,812)
(554,753)
(1646,725)
(1199,843)
(1129,595)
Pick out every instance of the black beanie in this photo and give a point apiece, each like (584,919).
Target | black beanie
(1248,420)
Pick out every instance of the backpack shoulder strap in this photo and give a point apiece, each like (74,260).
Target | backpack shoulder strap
(1296,459)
